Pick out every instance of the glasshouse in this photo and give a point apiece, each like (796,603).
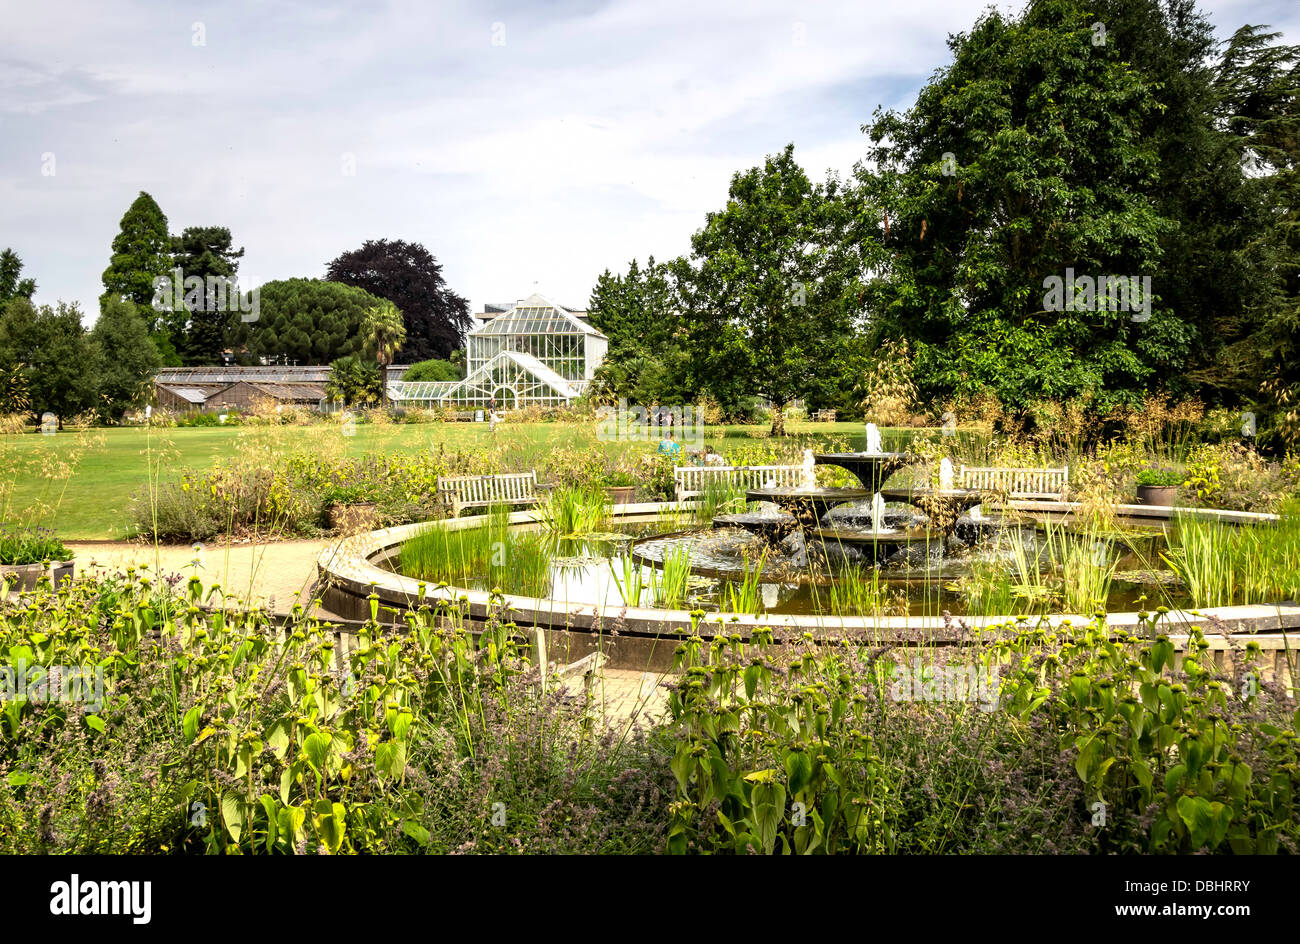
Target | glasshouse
(535,352)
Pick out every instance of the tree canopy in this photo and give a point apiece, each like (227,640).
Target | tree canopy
(406,274)
(639,313)
(142,252)
(12,284)
(434,369)
(48,350)
(205,252)
(125,358)
(772,286)
(308,321)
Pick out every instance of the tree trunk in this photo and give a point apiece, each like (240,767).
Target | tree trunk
(778,418)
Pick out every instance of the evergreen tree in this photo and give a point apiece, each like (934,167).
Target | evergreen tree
(206,252)
(307,321)
(141,253)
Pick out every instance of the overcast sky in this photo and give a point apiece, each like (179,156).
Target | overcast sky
(527,145)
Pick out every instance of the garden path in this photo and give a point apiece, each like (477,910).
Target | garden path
(281,573)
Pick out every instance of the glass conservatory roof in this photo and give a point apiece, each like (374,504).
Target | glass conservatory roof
(535,315)
(422,390)
(505,368)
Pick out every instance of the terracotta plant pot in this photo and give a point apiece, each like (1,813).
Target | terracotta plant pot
(1159,495)
(620,494)
(354,518)
(28,574)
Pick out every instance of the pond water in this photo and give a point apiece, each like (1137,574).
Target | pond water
(994,566)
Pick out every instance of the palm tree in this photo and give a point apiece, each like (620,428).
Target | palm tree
(384,333)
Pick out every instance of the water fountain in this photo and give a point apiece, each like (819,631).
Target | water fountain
(808,504)
(943,505)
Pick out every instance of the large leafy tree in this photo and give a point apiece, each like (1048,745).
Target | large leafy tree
(125,357)
(205,252)
(307,321)
(12,284)
(772,285)
(408,275)
(47,351)
(1025,157)
(639,313)
(142,252)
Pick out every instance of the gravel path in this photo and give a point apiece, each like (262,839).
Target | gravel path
(277,574)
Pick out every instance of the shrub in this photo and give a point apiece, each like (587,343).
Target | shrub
(1234,476)
(30,545)
(1158,478)
(198,418)
(434,369)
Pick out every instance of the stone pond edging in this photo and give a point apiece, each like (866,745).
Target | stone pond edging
(644,637)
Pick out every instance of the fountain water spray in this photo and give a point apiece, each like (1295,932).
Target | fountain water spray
(874,446)
(878,515)
(808,478)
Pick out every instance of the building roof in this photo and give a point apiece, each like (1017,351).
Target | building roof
(188,393)
(229,375)
(194,377)
(297,391)
(536,314)
(485,377)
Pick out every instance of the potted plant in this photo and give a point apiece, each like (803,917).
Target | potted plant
(350,509)
(28,553)
(620,486)
(1158,486)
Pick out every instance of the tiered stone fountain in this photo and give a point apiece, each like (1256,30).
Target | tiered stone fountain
(943,505)
(809,503)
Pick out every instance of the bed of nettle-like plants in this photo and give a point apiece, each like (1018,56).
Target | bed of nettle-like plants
(221,731)
(1075,739)
(139,718)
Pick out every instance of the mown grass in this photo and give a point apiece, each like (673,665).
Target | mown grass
(92,502)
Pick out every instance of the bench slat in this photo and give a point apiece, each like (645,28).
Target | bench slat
(476,491)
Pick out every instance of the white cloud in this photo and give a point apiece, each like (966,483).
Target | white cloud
(598,132)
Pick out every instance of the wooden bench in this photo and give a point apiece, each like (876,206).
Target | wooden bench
(482,491)
(691,481)
(1046,483)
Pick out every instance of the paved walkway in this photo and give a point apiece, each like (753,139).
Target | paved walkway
(276,574)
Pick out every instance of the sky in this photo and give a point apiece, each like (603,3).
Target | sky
(528,145)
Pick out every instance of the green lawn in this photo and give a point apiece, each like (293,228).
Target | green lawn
(88,477)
